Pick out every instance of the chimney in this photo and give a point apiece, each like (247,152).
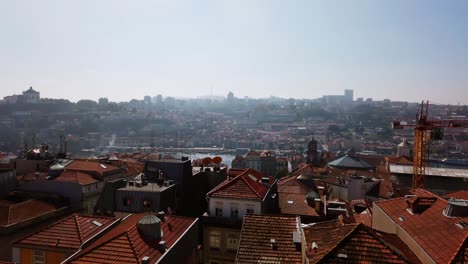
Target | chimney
(161,215)
(265,180)
(274,246)
(297,239)
(318,205)
(162,246)
(314,246)
(145,260)
(321,191)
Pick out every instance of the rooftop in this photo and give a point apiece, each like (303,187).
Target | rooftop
(445,232)
(258,233)
(125,244)
(12,213)
(68,233)
(247,185)
(91,166)
(430,171)
(295,204)
(353,243)
(350,162)
(149,187)
(82,178)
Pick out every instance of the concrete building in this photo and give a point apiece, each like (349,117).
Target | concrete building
(250,192)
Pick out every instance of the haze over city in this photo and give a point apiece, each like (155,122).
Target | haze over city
(401,50)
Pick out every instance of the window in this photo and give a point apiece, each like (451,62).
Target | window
(127,201)
(219,211)
(39,256)
(232,242)
(234,211)
(147,203)
(215,239)
(249,210)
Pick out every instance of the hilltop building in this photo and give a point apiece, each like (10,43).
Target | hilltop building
(29,96)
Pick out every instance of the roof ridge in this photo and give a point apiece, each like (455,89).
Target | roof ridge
(132,246)
(340,241)
(250,186)
(223,184)
(460,248)
(42,229)
(75,219)
(373,233)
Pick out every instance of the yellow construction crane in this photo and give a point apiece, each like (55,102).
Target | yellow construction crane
(421,126)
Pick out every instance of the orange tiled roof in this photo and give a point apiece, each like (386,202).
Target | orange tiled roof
(68,233)
(399,160)
(82,178)
(91,166)
(295,204)
(125,244)
(457,195)
(258,230)
(12,213)
(444,233)
(247,185)
(352,243)
(291,184)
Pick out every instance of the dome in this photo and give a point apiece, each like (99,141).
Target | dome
(149,219)
(150,226)
(311,196)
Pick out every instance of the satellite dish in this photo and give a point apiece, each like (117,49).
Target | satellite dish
(217,160)
(207,161)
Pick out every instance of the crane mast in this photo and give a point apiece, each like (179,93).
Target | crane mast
(421,126)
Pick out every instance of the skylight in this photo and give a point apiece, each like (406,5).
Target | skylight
(103,166)
(97,223)
(402,218)
(253,178)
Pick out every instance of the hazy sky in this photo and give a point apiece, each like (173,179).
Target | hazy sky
(397,49)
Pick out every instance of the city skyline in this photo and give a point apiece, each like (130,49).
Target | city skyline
(403,51)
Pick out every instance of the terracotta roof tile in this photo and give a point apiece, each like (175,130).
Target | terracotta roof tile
(91,166)
(354,243)
(443,230)
(258,230)
(457,195)
(295,204)
(125,244)
(247,185)
(82,178)
(68,233)
(12,213)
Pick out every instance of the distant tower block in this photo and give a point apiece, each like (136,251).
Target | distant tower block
(312,153)
(349,95)
(404,149)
